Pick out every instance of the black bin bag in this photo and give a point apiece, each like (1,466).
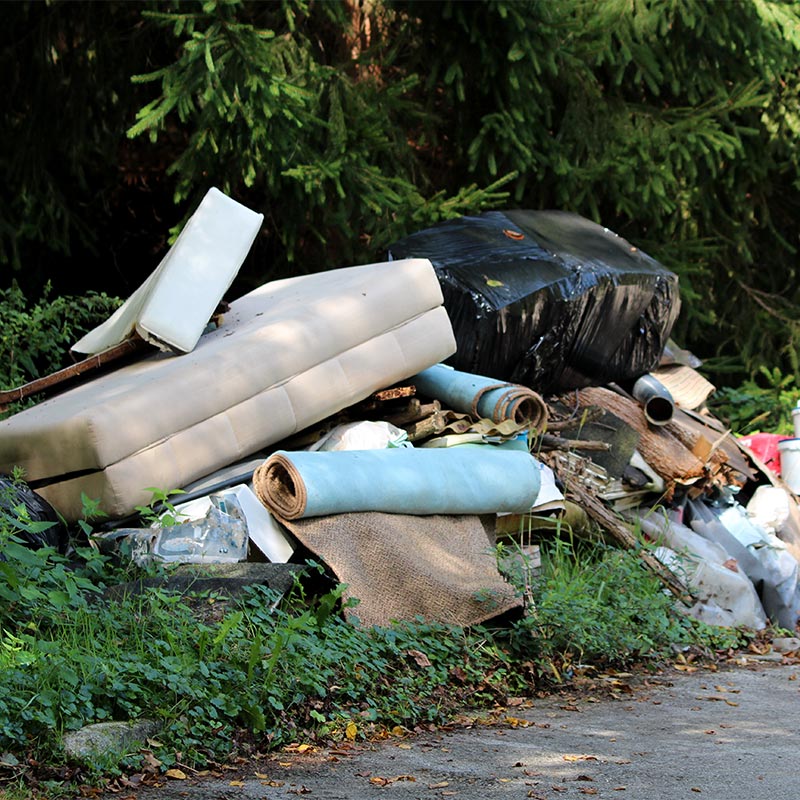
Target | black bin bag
(29,516)
(548,299)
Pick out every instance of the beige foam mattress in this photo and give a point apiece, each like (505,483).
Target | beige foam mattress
(288,354)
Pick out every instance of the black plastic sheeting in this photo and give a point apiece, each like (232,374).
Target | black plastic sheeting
(29,516)
(548,299)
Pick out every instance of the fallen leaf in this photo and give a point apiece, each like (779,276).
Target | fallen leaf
(695,789)
(619,788)
(420,657)
(274,784)
(557,788)
(494,283)
(262,776)
(236,783)
(285,763)
(380,781)
(514,722)
(440,785)
(580,758)
(176,774)
(587,790)
(351,731)
(584,778)
(404,746)
(301,790)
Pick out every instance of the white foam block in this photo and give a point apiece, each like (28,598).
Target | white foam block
(173,306)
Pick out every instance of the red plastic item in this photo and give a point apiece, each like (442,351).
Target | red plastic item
(765,448)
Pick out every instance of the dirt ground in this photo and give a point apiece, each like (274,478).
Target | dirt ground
(731,733)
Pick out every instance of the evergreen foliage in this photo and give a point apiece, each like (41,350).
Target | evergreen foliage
(352,123)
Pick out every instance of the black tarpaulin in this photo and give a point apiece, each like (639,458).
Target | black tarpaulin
(547,298)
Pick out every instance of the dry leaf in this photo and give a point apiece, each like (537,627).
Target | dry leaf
(514,722)
(236,783)
(380,781)
(351,730)
(176,774)
(587,790)
(273,783)
(420,657)
(440,785)
(404,746)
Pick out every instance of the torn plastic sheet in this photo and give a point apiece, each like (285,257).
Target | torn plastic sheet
(547,298)
(219,537)
(777,575)
(262,529)
(363,435)
(725,596)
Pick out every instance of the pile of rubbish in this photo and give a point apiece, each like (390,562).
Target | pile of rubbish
(395,419)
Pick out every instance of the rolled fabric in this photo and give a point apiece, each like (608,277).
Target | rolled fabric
(482,397)
(471,480)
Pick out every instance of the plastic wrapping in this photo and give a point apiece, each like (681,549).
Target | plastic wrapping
(33,520)
(547,298)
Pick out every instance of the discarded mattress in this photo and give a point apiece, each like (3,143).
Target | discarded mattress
(173,306)
(480,479)
(289,354)
(401,567)
(547,298)
(482,397)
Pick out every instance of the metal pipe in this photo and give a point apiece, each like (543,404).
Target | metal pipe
(655,398)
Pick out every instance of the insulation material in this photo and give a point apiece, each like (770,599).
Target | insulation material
(290,354)
(547,298)
(173,306)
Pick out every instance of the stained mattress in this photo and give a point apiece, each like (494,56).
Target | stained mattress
(288,354)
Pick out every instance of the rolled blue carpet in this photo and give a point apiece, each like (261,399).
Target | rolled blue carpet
(482,397)
(458,480)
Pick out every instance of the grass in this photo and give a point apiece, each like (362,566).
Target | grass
(264,671)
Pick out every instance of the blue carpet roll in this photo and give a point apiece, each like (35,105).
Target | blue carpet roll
(459,480)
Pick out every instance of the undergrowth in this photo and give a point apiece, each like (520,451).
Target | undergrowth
(224,677)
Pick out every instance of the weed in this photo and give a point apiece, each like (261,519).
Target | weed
(761,404)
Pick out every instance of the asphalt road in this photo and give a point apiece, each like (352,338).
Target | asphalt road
(732,734)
